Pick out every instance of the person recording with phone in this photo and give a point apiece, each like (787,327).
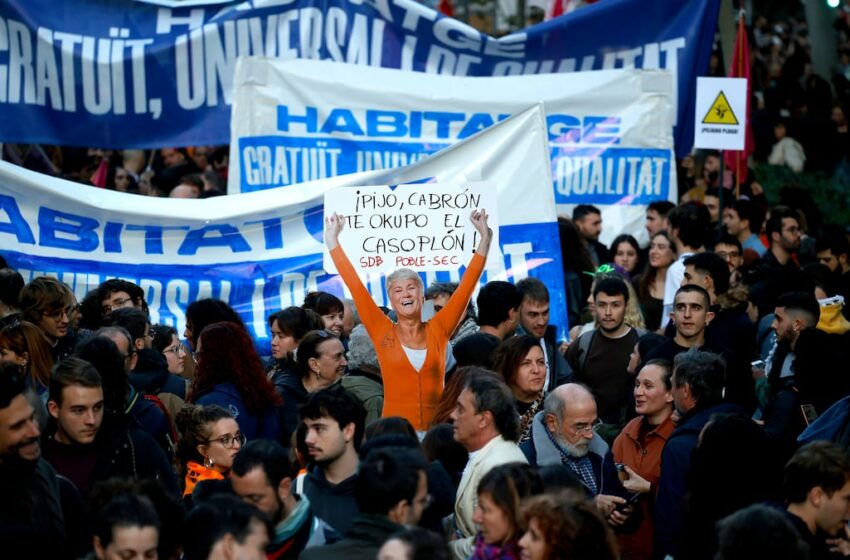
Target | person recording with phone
(788,410)
(637,450)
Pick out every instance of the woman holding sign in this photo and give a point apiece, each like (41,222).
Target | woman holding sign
(411,352)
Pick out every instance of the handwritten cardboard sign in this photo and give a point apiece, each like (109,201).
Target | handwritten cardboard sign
(425,227)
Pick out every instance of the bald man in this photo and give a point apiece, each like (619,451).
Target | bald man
(563,433)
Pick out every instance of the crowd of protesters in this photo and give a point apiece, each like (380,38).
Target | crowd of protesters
(699,409)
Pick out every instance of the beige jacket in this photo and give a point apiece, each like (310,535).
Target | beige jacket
(498,451)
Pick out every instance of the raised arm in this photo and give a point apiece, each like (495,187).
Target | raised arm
(450,315)
(369,311)
(333,226)
(479,221)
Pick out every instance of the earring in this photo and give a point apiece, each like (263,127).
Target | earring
(318,376)
(208,462)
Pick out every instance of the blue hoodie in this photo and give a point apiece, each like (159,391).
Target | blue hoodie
(227,396)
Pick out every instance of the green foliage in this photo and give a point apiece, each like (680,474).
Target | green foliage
(831,194)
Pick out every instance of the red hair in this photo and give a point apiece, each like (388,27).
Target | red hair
(228,356)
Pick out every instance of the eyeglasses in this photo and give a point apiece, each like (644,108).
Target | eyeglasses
(116,304)
(58,314)
(177,350)
(728,256)
(426,501)
(228,441)
(580,429)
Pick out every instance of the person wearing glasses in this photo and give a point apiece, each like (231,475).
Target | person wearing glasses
(411,352)
(159,369)
(564,433)
(45,303)
(229,373)
(209,440)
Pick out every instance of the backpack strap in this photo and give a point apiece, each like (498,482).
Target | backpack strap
(584,343)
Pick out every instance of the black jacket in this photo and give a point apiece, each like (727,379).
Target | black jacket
(362,541)
(151,375)
(31,511)
(333,503)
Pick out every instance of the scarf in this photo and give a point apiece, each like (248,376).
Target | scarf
(484,551)
(196,473)
(526,420)
(581,466)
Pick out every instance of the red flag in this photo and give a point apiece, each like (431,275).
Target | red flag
(446,8)
(100,174)
(557,9)
(740,68)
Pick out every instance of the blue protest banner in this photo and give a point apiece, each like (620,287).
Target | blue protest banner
(125,74)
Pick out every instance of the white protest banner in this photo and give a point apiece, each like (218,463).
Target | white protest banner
(610,132)
(721,113)
(423,227)
(261,252)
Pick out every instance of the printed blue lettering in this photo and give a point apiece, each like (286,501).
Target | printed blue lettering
(444,121)
(564,128)
(309,119)
(476,123)
(341,120)
(386,123)
(112,237)
(16,225)
(272,232)
(601,130)
(78,231)
(153,236)
(226,236)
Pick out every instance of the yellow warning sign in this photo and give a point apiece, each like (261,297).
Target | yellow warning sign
(720,112)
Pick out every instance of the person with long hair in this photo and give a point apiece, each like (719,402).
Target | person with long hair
(209,440)
(522,365)
(412,353)
(625,253)
(454,386)
(23,344)
(330,308)
(320,362)
(288,326)
(229,373)
(498,514)
(650,285)
(165,341)
(638,448)
(203,312)
(565,526)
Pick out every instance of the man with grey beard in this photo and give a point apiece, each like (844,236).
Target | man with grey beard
(564,433)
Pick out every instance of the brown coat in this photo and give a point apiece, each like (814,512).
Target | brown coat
(646,461)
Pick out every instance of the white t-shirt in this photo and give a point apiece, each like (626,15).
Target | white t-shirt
(675,275)
(415,357)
